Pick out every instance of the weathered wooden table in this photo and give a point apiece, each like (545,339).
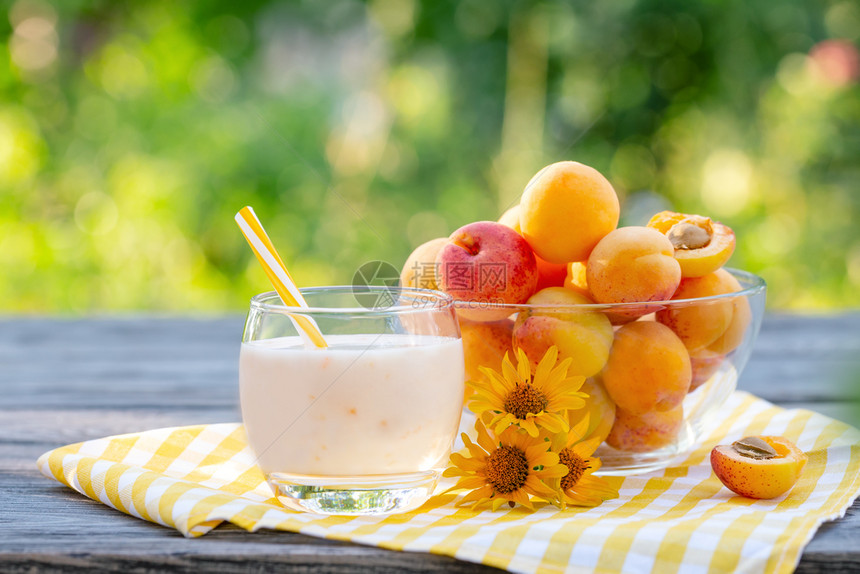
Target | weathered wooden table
(64,381)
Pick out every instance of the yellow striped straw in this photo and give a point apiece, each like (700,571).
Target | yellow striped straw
(278,274)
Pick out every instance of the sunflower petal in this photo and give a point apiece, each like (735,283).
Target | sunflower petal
(587,447)
(483,492)
(574,383)
(524,365)
(470,464)
(529,426)
(481,406)
(555,471)
(540,488)
(578,430)
(562,368)
(544,459)
(576,499)
(511,375)
(472,482)
(484,439)
(501,384)
(572,403)
(598,487)
(501,422)
(520,496)
(552,423)
(545,367)
(459,486)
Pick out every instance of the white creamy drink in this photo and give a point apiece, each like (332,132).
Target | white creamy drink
(368,404)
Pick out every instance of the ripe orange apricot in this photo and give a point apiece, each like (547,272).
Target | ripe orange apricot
(511,218)
(701,245)
(648,368)
(565,209)
(631,265)
(420,269)
(700,323)
(584,336)
(758,466)
(601,409)
(485,345)
(734,335)
(549,274)
(717,325)
(704,363)
(645,432)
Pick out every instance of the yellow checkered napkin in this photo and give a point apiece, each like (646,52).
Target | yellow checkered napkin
(677,520)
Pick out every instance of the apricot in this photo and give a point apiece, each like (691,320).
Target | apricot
(648,368)
(565,209)
(758,466)
(484,265)
(704,364)
(717,325)
(549,274)
(645,432)
(584,336)
(601,409)
(576,279)
(701,245)
(734,335)
(485,345)
(420,267)
(700,323)
(511,218)
(633,264)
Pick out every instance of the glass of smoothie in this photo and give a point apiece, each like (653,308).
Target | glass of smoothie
(365,425)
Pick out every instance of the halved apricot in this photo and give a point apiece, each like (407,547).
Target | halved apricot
(701,245)
(758,466)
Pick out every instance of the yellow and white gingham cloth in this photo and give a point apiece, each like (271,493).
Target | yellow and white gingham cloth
(677,520)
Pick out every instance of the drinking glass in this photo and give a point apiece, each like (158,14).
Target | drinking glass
(365,425)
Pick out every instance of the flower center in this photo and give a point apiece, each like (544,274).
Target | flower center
(507,469)
(575,468)
(525,399)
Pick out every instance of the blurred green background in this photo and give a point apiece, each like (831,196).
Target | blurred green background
(131,133)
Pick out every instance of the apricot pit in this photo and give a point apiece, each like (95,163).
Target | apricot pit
(701,245)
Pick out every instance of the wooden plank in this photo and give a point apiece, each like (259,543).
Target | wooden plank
(193,363)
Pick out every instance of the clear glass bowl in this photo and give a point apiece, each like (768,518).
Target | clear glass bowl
(716,335)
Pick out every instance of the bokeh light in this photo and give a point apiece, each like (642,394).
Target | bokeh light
(131,133)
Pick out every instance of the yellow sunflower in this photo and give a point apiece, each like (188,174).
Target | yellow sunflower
(509,468)
(516,397)
(579,487)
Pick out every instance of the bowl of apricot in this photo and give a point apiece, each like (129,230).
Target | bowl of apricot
(656,373)
(656,328)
